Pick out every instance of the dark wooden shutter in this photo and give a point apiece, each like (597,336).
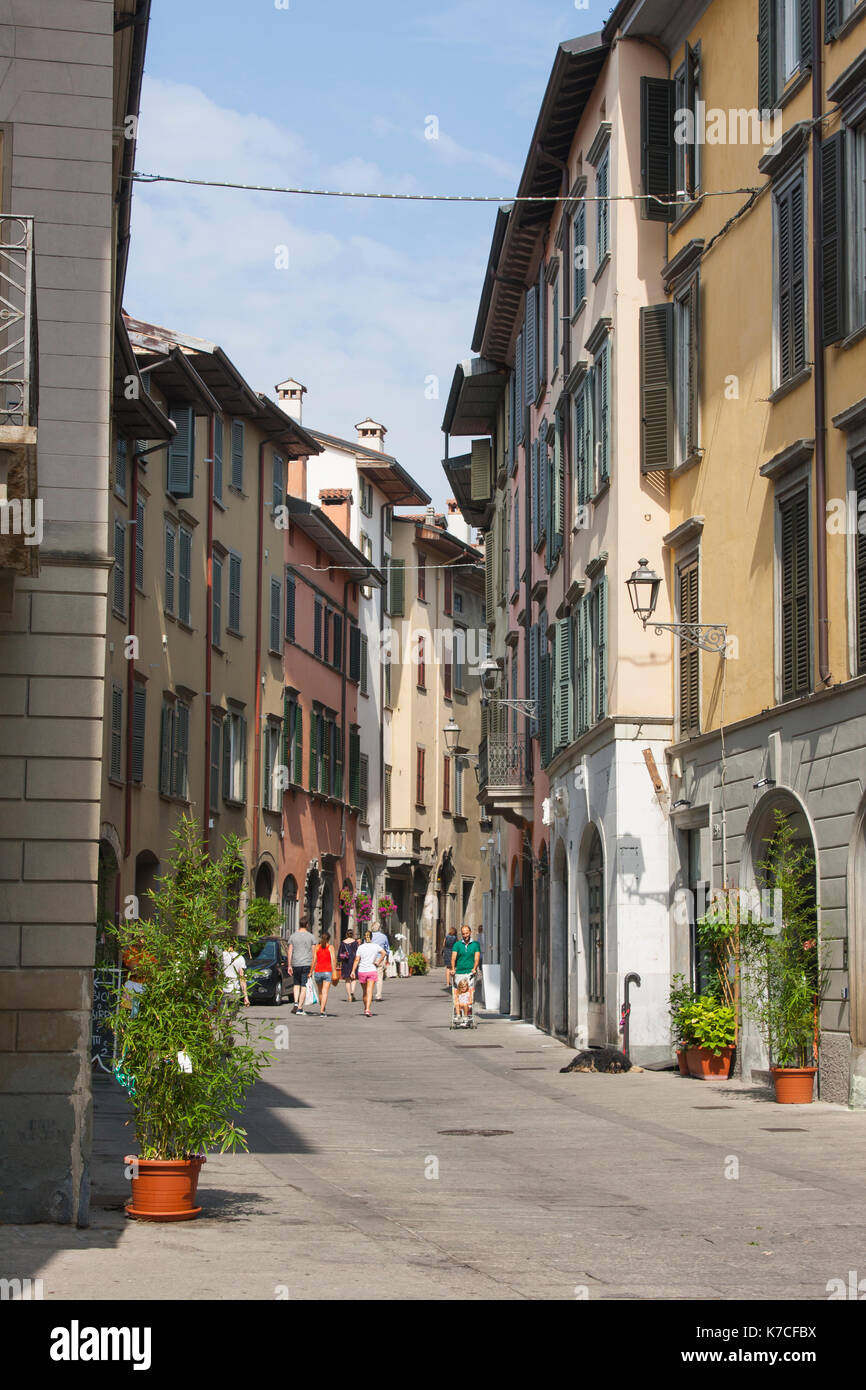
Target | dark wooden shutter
(276,595)
(658,165)
(601,648)
(796,614)
(688,654)
(217,601)
(165,731)
(541,330)
(693,386)
(792,281)
(181,779)
(831,18)
(656,387)
(397,587)
(181,452)
(544,711)
(139,546)
(168,597)
(215,739)
(860,563)
(422,576)
(139,708)
(121,458)
(238,454)
(602,375)
(228,731)
(543,489)
(533,674)
(447,672)
(565,684)
(516,550)
(833,250)
(290,608)
(805,25)
(579,254)
(234,622)
(583,657)
(531,374)
(184,573)
(354,652)
(363,784)
(298,770)
(766,55)
(337,652)
(218,457)
(419,777)
(446,783)
(363,664)
(448,582)
(581,493)
(317,628)
(242,726)
(517,385)
(115,761)
(278,493)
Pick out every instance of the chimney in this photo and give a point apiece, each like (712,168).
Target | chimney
(336,503)
(371,435)
(290,395)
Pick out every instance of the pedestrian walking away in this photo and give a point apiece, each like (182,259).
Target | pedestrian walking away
(234,970)
(447,951)
(346,956)
(366,966)
(381,940)
(465,960)
(326,968)
(300,963)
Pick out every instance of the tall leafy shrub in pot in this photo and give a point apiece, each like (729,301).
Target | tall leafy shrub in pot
(187,1059)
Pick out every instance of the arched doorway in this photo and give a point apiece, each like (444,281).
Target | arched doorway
(857,959)
(146,866)
(264,884)
(559,917)
(107,904)
(290,905)
(327,923)
(595,943)
(542,940)
(311,894)
(527,960)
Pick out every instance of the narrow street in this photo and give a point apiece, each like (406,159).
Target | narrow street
(599,1187)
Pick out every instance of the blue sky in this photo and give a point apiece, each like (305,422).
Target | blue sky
(376,298)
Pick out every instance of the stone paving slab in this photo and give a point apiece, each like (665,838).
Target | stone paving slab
(609,1187)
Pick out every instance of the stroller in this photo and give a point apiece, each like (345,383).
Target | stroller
(459,1020)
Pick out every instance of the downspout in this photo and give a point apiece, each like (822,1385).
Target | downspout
(818,356)
(343,730)
(130,665)
(257,742)
(208,656)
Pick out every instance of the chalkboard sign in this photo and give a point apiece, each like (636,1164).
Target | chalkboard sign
(106,984)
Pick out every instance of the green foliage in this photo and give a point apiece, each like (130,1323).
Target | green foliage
(418,964)
(680,999)
(176,954)
(709,1024)
(264,918)
(786,979)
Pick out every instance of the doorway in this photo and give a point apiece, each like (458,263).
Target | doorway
(595,945)
(542,940)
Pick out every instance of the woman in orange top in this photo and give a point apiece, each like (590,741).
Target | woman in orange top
(324,967)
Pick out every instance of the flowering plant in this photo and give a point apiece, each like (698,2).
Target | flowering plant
(387,905)
(363,907)
(347,897)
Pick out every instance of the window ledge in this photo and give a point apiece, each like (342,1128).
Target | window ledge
(602,267)
(794,85)
(856,337)
(579,310)
(791,384)
(691,462)
(230,632)
(232,804)
(461,817)
(600,491)
(186,626)
(117,782)
(217,648)
(218,502)
(845,28)
(690,208)
(238,491)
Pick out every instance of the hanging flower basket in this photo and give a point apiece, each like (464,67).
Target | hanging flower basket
(387,905)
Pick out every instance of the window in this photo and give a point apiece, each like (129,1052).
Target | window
(602,189)
(290,608)
(139,710)
(217,601)
(446,784)
(688,655)
(170,565)
(215,735)
(458,602)
(448,592)
(237,473)
(386,665)
(591,429)
(458,786)
(326,753)
(366,548)
(784,46)
(115,756)
(174,750)
(181,452)
(234,618)
(293,737)
(422,577)
(843,230)
(591,657)
(366,497)
(184,576)
(686,145)
(275,615)
(459,654)
(272,798)
(235,758)
(218,458)
(121,464)
(354,766)
(555,326)
(422,669)
(579,255)
(790,257)
(595,914)
(396,588)
(118,592)
(387,516)
(337,654)
(857,224)
(419,778)
(139,546)
(686,394)
(386,799)
(658,159)
(601,415)
(278,488)
(794,594)
(290,906)
(448,666)
(364,786)
(515,542)
(563,686)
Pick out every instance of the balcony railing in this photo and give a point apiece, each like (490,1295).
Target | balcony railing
(19,354)
(402,843)
(502,763)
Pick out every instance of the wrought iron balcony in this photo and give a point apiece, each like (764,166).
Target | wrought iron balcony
(19,355)
(505,788)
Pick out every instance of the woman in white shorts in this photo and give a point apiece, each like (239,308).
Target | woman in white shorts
(366,968)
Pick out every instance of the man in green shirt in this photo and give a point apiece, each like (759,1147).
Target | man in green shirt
(465,960)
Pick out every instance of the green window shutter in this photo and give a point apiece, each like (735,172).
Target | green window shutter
(656,387)
(234,622)
(238,454)
(181,785)
(278,490)
(831,18)
(658,165)
(792,280)
(215,732)
(314,751)
(766,55)
(541,354)
(603,387)
(583,665)
(290,608)
(544,489)
(317,628)
(121,460)
(565,684)
(298,770)
(558,489)
(169,567)
(363,664)
(601,648)
(517,391)
(480,472)
(354,767)
(860,566)
(516,550)
(184,587)
(242,723)
(337,648)
(833,251)
(165,730)
(288,730)
(227,757)
(218,457)
(354,652)
(693,305)
(535,482)
(139,710)
(805,22)
(397,587)
(531,343)
(544,705)
(276,596)
(217,601)
(581,495)
(181,452)
(579,257)
(795,597)
(533,675)
(139,546)
(688,655)
(115,759)
(602,189)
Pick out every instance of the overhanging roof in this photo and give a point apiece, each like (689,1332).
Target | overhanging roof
(140,418)
(177,379)
(295,441)
(332,542)
(382,469)
(458,471)
(473,401)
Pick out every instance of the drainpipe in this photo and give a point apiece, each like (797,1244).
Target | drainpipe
(132,530)
(257,742)
(208,655)
(818,355)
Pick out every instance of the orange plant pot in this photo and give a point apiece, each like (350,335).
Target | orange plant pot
(164,1189)
(794,1085)
(705,1066)
(683,1060)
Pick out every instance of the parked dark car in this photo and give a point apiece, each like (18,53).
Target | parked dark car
(268,978)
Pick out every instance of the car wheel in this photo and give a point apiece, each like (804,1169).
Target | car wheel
(278,993)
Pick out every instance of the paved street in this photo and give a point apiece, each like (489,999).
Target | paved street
(615,1185)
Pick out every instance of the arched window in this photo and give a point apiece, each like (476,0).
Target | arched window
(367,883)
(290,906)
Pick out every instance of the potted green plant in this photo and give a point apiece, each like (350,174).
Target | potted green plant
(785,979)
(186,1058)
(418,964)
(711,1026)
(680,998)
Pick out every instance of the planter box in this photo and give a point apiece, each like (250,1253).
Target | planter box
(794,1085)
(705,1066)
(683,1061)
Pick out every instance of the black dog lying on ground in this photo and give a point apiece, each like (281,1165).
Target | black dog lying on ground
(601,1059)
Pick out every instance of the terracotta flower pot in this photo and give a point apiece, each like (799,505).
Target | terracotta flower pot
(683,1060)
(705,1066)
(794,1085)
(196,1160)
(164,1189)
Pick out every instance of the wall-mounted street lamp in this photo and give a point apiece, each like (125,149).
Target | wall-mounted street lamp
(454,747)
(643,591)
